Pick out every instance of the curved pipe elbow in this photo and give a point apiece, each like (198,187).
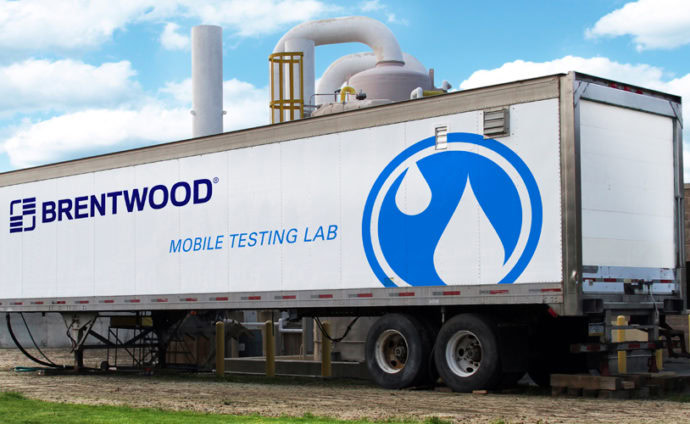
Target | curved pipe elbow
(360,29)
(345,91)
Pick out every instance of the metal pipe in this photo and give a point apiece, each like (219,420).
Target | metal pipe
(220,348)
(270,349)
(345,91)
(283,329)
(306,36)
(326,369)
(281,325)
(619,338)
(207,80)
(346,30)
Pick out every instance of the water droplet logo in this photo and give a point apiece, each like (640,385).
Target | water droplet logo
(431,215)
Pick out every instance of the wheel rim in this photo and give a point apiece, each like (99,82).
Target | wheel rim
(391,351)
(464,353)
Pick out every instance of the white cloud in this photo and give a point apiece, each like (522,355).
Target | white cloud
(101,130)
(95,131)
(371,5)
(73,24)
(643,75)
(181,92)
(68,24)
(653,24)
(256,17)
(246,105)
(393,19)
(172,40)
(42,85)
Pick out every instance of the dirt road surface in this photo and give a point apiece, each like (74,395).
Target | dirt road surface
(337,399)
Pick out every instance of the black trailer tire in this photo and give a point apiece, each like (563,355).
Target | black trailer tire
(397,351)
(466,353)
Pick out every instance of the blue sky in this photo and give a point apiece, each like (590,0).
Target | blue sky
(79,78)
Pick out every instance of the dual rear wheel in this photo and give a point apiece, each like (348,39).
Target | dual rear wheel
(398,348)
(466,353)
(401,352)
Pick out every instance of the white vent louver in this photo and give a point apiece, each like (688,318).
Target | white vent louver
(496,123)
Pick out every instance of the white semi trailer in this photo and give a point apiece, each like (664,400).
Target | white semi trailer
(494,231)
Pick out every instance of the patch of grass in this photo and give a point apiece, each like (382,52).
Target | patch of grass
(436,420)
(11,396)
(16,409)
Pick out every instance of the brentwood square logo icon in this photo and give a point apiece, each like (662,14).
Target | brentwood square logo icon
(23,215)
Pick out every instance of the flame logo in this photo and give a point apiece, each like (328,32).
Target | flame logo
(430,185)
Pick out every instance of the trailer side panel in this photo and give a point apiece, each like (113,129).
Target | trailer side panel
(300,215)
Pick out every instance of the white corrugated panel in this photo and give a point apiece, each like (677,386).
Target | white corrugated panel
(627,187)
(289,216)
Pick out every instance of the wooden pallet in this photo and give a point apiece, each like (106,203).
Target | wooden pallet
(637,386)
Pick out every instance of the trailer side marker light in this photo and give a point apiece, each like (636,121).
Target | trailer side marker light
(133,301)
(108,301)
(365,294)
(254,298)
(325,296)
(16,303)
(160,300)
(550,290)
(634,345)
(290,297)
(610,280)
(220,299)
(60,302)
(451,293)
(552,313)
(37,303)
(81,302)
(593,348)
(498,291)
(189,299)
(406,294)
(666,281)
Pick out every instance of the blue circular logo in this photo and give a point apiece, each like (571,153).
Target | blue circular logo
(401,246)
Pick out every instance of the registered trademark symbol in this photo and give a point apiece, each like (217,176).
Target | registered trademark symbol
(215,180)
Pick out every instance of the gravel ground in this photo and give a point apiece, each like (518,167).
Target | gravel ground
(337,399)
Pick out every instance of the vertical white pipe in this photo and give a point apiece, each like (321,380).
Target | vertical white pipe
(307,48)
(207,80)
